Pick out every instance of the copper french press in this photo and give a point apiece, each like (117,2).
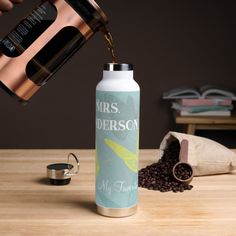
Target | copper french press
(43,41)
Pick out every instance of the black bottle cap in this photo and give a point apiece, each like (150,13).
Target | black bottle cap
(118,67)
(61,173)
(58,173)
(60,182)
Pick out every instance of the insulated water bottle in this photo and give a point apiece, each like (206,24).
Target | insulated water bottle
(117,141)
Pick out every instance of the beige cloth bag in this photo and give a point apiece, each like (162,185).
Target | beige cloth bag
(206,156)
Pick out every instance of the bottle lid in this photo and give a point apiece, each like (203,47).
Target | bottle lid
(118,67)
(61,173)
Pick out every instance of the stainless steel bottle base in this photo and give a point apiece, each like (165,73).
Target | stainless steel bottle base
(116,213)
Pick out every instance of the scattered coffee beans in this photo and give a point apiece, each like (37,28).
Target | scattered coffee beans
(159,176)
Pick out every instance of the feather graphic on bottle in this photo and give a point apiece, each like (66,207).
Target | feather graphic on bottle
(130,159)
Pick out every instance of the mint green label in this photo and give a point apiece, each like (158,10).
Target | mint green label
(117,145)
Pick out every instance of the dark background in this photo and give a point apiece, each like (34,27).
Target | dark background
(172,43)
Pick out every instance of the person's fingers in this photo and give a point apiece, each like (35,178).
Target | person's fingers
(5,5)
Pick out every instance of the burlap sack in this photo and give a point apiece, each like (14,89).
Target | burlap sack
(206,156)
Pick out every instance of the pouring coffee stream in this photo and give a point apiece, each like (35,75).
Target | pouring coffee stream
(110,44)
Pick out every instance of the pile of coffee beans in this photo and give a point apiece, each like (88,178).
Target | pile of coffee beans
(159,176)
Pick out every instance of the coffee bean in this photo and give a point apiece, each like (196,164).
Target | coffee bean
(159,176)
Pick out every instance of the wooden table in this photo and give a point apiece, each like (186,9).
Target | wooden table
(193,123)
(29,206)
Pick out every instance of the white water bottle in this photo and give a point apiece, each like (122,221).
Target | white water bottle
(117,141)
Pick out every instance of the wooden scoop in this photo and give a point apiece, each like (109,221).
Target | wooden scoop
(182,171)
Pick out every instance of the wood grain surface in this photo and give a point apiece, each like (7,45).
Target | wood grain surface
(29,206)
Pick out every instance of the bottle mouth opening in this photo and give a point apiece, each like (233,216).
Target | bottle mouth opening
(118,67)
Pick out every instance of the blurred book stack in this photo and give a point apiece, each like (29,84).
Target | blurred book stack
(205,101)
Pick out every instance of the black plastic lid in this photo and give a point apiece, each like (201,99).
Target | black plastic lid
(118,67)
(60,182)
(60,166)
(61,173)
(56,173)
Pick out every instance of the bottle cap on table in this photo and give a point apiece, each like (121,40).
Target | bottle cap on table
(61,173)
